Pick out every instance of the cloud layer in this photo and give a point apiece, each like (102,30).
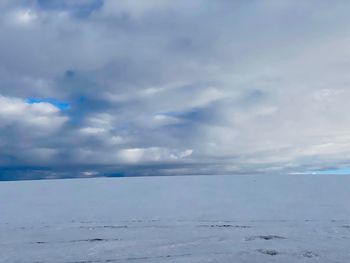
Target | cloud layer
(173,87)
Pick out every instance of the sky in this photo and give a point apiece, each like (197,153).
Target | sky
(158,87)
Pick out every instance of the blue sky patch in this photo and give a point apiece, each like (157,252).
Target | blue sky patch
(62,105)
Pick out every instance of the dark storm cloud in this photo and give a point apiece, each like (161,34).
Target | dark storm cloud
(172,87)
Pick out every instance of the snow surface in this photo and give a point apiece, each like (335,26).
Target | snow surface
(277,218)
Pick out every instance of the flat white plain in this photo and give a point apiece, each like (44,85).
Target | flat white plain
(274,218)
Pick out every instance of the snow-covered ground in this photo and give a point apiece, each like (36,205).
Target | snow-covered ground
(280,218)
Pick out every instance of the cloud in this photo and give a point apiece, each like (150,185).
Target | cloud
(42,116)
(156,87)
(153,154)
(25,128)
(23,17)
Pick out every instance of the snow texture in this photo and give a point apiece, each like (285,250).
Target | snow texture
(226,219)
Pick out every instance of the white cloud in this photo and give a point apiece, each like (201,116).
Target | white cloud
(153,154)
(92,130)
(42,117)
(24,17)
(90,173)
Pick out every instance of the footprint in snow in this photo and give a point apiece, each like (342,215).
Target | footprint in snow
(270,252)
(264,237)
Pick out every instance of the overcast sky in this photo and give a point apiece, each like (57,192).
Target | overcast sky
(163,87)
